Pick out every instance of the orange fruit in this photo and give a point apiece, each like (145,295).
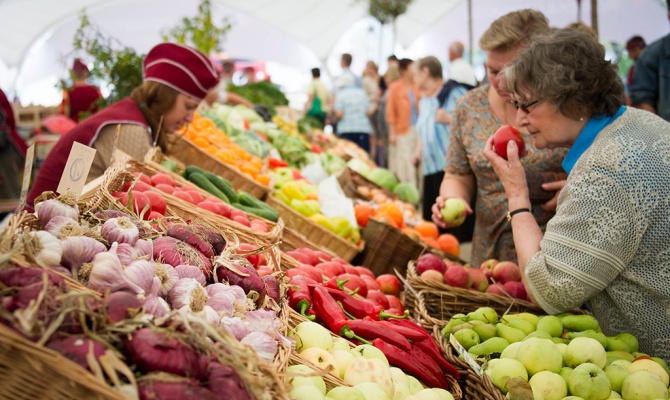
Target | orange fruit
(427,230)
(414,235)
(363,212)
(429,241)
(386,219)
(392,211)
(449,244)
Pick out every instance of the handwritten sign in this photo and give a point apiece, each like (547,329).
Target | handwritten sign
(76,169)
(27,173)
(464,353)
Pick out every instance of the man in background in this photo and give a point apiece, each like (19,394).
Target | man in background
(459,69)
(12,156)
(318,97)
(634,47)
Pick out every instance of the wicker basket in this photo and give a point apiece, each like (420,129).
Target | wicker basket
(433,303)
(473,385)
(315,233)
(188,153)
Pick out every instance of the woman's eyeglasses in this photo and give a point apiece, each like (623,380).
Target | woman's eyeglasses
(525,107)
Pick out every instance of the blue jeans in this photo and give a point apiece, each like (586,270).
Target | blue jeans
(361,139)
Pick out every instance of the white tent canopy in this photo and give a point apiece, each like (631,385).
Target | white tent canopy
(36,37)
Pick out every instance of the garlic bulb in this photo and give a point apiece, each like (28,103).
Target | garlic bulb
(120,230)
(222,303)
(235,326)
(188,293)
(126,253)
(48,209)
(210,315)
(264,344)
(155,305)
(107,274)
(142,274)
(61,227)
(144,249)
(167,275)
(78,250)
(45,248)
(190,271)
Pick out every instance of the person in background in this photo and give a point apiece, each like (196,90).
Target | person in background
(608,243)
(401,114)
(651,82)
(345,64)
(478,115)
(391,75)
(220,93)
(82,99)
(634,47)
(352,111)
(433,135)
(176,79)
(371,87)
(459,69)
(12,154)
(319,92)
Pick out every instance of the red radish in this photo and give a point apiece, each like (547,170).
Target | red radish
(155,215)
(340,260)
(117,195)
(162,178)
(119,304)
(322,256)
(195,196)
(183,196)
(188,188)
(155,389)
(224,381)
(225,208)
(211,207)
(234,212)
(364,271)
(165,188)
(142,187)
(376,296)
(349,269)
(152,351)
(259,225)
(157,201)
(77,349)
(143,177)
(141,203)
(354,282)
(370,283)
(242,219)
(503,135)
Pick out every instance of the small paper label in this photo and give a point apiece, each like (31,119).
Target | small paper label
(27,173)
(76,170)
(461,350)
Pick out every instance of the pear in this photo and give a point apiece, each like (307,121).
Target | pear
(539,334)
(580,323)
(466,325)
(511,350)
(526,316)
(630,340)
(457,319)
(614,344)
(662,363)
(523,325)
(490,346)
(485,331)
(510,334)
(558,340)
(485,314)
(618,355)
(467,338)
(550,324)
(599,336)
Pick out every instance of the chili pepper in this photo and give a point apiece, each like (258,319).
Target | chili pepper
(372,330)
(360,308)
(405,361)
(428,346)
(427,362)
(409,333)
(338,284)
(276,163)
(329,311)
(299,298)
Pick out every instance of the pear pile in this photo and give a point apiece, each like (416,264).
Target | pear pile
(561,357)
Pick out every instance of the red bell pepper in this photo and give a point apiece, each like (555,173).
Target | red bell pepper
(372,330)
(299,298)
(404,360)
(276,163)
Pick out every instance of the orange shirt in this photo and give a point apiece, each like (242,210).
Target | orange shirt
(399,106)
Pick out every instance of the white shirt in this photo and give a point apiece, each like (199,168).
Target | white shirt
(462,72)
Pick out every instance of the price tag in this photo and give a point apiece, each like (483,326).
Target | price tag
(76,169)
(461,350)
(27,173)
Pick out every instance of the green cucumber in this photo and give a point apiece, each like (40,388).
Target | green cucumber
(249,200)
(191,169)
(223,185)
(204,183)
(169,164)
(263,213)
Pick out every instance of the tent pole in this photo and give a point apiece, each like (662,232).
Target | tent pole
(594,15)
(470,31)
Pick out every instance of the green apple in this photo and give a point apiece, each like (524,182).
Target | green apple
(662,363)
(565,373)
(310,334)
(550,324)
(342,359)
(345,393)
(369,351)
(616,374)
(322,359)
(590,382)
(643,384)
(373,391)
(427,394)
(414,384)
(572,398)
(302,375)
(502,370)
(484,314)
(340,343)
(647,364)
(511,350)
(467,338)
(624,363)
(444,395)
(362,370)
(306,392)
(585,350)
(454,211)
(550,385)
(614,395)
(398,376)
(564,350)
(400,391)
(540,355)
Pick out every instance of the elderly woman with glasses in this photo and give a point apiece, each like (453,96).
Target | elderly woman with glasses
(609,243)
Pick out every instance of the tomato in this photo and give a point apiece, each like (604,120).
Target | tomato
(165,188)
(188,188)
(195,196)
(162,178)
(259,225)
(211,207)
(183,196)
(157,201)
(143,177)
(155,215)
(242,219)
(141,203)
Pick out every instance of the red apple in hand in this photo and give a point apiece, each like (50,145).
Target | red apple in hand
(389,284)
(503,135)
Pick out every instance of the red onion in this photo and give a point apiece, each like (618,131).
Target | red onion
(152,351)
(17,277)
(167,390)
(272,287)
(176,252)
(76,349)
(120,304)
(225,381)
(251,283)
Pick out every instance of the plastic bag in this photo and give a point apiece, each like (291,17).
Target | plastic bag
(333,202)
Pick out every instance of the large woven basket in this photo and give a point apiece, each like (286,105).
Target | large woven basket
(473,385)
(433,303)
(314,232)
(188,153)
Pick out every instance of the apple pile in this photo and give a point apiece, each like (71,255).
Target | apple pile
(364,367)
(492,277)
(560,355)
(142,193)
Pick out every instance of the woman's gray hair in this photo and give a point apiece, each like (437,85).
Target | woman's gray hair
(567,68)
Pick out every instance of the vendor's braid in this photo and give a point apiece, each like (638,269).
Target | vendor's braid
(155,100)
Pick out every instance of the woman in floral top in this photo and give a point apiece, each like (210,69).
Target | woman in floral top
(477,116)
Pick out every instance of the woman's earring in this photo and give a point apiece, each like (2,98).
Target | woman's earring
(581,119)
